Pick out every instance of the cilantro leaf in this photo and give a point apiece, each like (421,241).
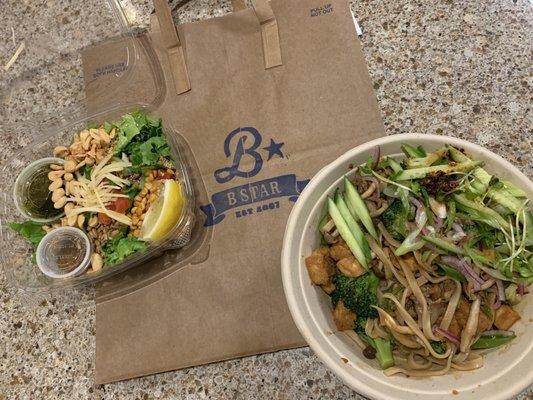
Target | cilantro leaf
(119,247)
(131,125)
(32,231)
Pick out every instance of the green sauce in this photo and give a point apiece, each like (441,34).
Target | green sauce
(36,198)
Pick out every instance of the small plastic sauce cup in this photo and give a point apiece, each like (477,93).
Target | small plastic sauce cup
(64,252)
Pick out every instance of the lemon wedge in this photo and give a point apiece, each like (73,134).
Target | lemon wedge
(164,213)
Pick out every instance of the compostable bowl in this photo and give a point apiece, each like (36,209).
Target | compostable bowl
(507,370)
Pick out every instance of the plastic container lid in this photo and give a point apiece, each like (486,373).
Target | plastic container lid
(64,252)
(41,66)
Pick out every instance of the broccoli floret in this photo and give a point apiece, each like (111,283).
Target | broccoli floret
(439,347)
(395,220)
(383,349)
(358,294)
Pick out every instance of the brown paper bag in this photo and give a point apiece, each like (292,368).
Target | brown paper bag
(257,135)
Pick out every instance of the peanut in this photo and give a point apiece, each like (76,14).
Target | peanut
(139,211)
(55,167)
(57,194)
(133,210)
(55,175)
(104,136)
(60,203)
(96,262)
(136,232)
(68,177)
(135,220)
(55,185)
(70,166)
(93,221)
(143,192)
(81,220)
(67,188)
(83,135)
(60,151)
(71,221)
(69,207)
(89,161)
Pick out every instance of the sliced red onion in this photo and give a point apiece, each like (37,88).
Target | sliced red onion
(458,228)
(376,156)
(462,266)
(420,216)
(497,303)
(438,208)
(448,335)
(501,290)
(522,289)
(425,231)
(438,223)
(416,202)
(471,272)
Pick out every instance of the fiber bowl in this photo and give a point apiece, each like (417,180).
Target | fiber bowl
(506,372)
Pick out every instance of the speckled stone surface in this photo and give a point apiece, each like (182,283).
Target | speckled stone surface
(455,68)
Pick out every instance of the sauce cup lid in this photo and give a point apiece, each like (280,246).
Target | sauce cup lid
(64,252)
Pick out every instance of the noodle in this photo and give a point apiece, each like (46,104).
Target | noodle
(471,326)
(418,373)
(413,325)
(426,322)
(386,319)
(452,306)
(411,362)
(393,242)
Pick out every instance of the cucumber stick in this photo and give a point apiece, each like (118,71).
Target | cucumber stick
(482,177)
(352,224)
(359,206)
(345,233)
(483,210)
(417,173)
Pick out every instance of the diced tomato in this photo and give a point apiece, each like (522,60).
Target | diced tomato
(162,175)
(104,219)
(120,205)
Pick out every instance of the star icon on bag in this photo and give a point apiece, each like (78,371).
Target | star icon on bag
(274,149)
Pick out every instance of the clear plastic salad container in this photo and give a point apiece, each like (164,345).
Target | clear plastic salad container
(43,92)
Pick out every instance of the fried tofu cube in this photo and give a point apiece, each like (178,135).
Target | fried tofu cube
(320,267)
(349,266)
(461,316)
(505,317)
(461,313)
(339,251)
(454,327)
(328,288)
(484,323)
(343,317)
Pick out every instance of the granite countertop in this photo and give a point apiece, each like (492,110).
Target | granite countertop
(454,68)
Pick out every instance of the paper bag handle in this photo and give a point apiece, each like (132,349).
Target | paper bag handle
(176,56)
